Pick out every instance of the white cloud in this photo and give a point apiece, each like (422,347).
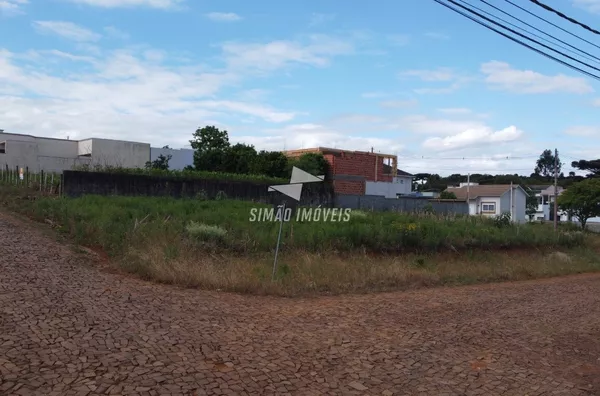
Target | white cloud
(261,111)
(67,30)
(117,33)
(583,131)
(457,110)
(12,7)
(592,6)
(474,137)
(318,51)
(596,102)
(502,76)
(441,74)
(398,104)
(315,135)
(223,16)
(435,126)
(140,93)
(319,19)
(161,4)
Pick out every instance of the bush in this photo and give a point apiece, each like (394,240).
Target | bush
(206,232)
(502,220)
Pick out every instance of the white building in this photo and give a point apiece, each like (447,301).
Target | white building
(545,209)
(57,155)
(400,185)
(180,158)
(491,200)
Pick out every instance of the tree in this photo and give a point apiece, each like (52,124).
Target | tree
(447,195)
(592,166)
(210,138)
(161,162)
(545,164)
(313,163)
(582,200)
(239,158)
(210,145)
(531,203)
(270,163)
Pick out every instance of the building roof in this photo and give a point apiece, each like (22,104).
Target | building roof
(327,150)
(486,190)
(387,168)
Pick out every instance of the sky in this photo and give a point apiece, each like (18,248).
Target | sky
(403,77)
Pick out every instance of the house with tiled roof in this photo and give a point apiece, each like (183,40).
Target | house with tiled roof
(493,199)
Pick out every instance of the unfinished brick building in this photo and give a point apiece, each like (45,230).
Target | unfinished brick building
(350,170)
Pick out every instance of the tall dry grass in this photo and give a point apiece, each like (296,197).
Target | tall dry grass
(213,245)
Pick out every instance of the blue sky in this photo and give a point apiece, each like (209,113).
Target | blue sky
(404,77)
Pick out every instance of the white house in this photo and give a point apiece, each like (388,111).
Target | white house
(545,209)
(493,199)
(400,185)
(57,155)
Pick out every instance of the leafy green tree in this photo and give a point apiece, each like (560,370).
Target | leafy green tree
(270,163)
(313,163)
(593,167)
(161,162)
(239,158)
(582,200)
(210,145)
(545,164)
(447,195)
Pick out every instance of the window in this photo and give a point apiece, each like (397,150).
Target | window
(3,148)
(401,181)
(488,207)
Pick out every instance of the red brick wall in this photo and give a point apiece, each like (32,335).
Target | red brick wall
(352,187)
(359,165)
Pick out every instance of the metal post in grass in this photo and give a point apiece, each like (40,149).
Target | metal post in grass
(278,240)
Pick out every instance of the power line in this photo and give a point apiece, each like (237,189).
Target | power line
(525,37)
(539,30)
(520,42)
(560,14)
(553,24)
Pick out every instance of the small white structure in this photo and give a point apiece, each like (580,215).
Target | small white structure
(57,155)
(493,199)
(545,209)
(401,184)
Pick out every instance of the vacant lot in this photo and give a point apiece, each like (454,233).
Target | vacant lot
(71,328)
(214,245)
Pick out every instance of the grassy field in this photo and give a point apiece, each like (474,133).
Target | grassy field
(213,245)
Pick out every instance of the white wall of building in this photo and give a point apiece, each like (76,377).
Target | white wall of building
(475,206)
(180,158)
(120,153)
(400,185)
(57,155)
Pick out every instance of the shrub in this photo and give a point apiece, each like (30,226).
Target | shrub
(502,220)
(206,232)
(221,196)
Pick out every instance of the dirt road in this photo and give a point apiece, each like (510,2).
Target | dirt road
(69,328)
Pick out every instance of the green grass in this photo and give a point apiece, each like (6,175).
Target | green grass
(212,244)
(185,174)
(116,222)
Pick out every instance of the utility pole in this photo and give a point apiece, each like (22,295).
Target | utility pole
(468,192)
(555,189)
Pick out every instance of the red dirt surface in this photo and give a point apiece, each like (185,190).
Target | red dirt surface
(67,328)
